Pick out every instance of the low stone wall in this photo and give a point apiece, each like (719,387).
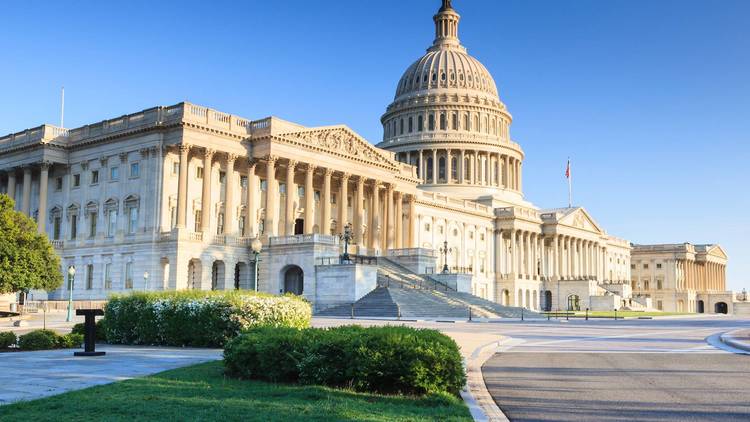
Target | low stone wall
(343,284)
(742,309)
(604,303)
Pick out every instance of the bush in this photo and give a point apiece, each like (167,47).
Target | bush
(7,339)
(101,333)
(389,360)
(70,341)
(198,318)
(39,340)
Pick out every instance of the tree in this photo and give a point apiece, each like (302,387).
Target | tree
(27,259)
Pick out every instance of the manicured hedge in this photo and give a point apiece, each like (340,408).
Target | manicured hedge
(48,339)
(101,333)
(389,360)
(7,339)
(198,318)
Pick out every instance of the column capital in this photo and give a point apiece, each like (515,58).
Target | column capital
(123,157)
(208,152)
(292,163)
(328,172)
(231,158)
(144,152)
(389,187)
(361,181)
(184,147)
(271,159)
(311,167)
(345,176)
(45,165)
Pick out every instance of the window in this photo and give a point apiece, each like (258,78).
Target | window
(129,275)
(132,220)
(471,235)
(441,168)
(401,127)
(241,225)
(58,184)
(108,275)
(301,191)
(243,182)
(220,223)
(658,266)
(92,224)
(440,229)
(175,168)
(172,217)
(481,236)
(199,172)
(658,284)
(135,170)
(222,178)
(431,122)
(645,266)
(411,124)
(111,223)
(632,266)
(73,226)
(420,123)
(455,121)
(198,216)
(56,228)
(94,177)
(427,227)
(443,124)
(333,198)
(659,305)
(263,185)
(317,196)
(454,168)
(282,188)
(89,276)
(114,173)
(76,180)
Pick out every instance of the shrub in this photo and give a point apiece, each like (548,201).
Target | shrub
(39,340)
(70,341)
(389,360)
(198,318)
(7,339)
(101,333)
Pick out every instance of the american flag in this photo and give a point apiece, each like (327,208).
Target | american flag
(567,170)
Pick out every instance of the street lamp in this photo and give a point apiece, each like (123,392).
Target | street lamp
(71,280)
(256,245)
(145,281)
(445,251)
(346,237)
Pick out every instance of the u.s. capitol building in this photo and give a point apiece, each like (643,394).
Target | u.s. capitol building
(180,192)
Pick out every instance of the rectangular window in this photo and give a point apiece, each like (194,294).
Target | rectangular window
(282,188)
(263,185)
(220,223)
(175,168)
(129,275)
(198,216)
(222,178)
(135,170)
(658,266)
(659,305)
(73,227)
(173,217)
(301,191)
(241,225)
(317,196)
(56,228)
(76,180)
(94,177)
(132,220)
(199,172)
(92,224)
(89,276)
(114,173)
(645,266)
(333,198)
(112,223)
(632,266)
(108,275)
(243,182)
(58,184)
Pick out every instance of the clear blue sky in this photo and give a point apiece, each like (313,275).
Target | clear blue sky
(650,99)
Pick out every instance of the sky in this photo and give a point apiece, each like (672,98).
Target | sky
(649,99)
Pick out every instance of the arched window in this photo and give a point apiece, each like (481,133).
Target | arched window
(486,126)
(429,168)
(454,168)
(443,123)
(420,123)
(401,127)
(476,123)
(467,122)
(411,124)
(467,168)
(441,168)
(431,122)
(132,203)
(455,121)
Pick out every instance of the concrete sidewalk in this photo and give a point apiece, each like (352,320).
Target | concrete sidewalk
(739,339)
(33,375)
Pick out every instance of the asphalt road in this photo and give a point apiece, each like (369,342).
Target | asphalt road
(621,371)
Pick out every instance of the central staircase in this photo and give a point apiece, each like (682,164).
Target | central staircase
(403,293)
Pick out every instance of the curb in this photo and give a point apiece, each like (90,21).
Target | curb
(729,339)
(475,394)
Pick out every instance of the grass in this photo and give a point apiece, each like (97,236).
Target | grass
(620,314)
(202,393)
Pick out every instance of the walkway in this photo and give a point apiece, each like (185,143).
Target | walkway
(32,375)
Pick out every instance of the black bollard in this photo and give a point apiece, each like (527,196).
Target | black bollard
(89,336)
(587,314)
(352,311)
(469,313)
(615,314)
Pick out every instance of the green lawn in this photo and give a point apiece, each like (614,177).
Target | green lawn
(202,393)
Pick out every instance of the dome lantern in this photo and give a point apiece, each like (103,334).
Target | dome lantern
(446,27)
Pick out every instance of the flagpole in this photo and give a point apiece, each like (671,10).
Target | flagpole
(570,186)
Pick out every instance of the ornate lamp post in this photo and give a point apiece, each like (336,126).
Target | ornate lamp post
(256,245)
(445,251)
(346,237)
(145,281)
(71,281)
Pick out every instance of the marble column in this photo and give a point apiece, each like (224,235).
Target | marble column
(399,216)
(359,212)
(555,256)
(505,172)
(325,224)
(343,205)
(375,217)
(182,187)
(461,165)
(43,180)
(412,211)
(291,191)
(422,167)
(229,205)
(206,202)
(448,167)
(498,252)
(498,171)
(309,199)
(271,227)
(390,221)
(252,202)
(26,191)
(11,192)
(435,167)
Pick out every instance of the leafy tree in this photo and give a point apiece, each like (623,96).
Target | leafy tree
(27,259)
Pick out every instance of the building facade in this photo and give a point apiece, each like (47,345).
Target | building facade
(172,197)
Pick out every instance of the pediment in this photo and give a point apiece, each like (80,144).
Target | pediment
(340,141)
(718,251)
(581,219)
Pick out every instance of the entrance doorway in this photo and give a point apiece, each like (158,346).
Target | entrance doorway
(547,300)
(574,303)
(299,226)
(294,280)
(701,307)
(721,308)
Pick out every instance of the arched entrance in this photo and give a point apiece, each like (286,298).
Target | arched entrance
(721,308)
(195,274)
(701,307)
(505,298)
(574,303)
(217,275)
(294,280)
(547,300)
(241,276)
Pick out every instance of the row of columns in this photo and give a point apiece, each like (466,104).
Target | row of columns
(484,168)
(709,276)
(26,191)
